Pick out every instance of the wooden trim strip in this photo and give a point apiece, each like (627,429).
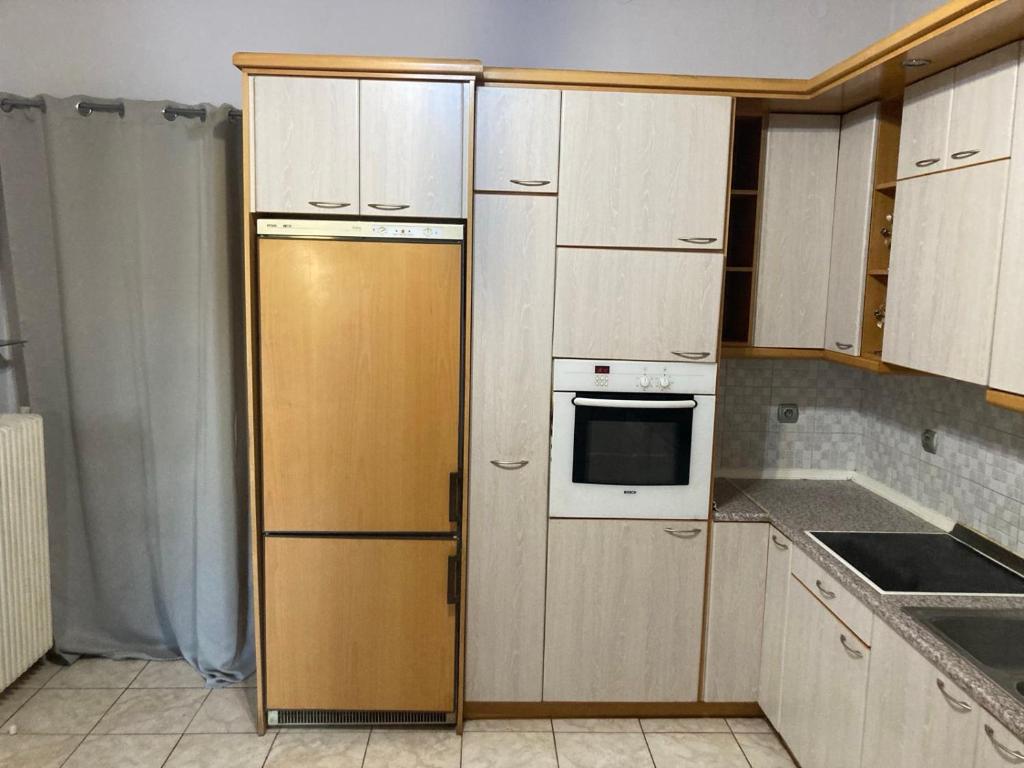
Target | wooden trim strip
(1005,399)
(248,61)
(477,710)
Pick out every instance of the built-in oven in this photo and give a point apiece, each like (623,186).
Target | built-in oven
(632,439)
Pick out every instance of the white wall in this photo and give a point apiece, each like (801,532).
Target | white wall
(181,49)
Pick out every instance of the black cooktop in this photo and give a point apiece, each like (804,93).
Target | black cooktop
(921,562)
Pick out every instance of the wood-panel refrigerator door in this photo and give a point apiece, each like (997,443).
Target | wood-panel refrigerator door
(360,345)
(359,624)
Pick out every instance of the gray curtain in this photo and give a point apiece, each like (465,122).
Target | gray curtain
(122,242)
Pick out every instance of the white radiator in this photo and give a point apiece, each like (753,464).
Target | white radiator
(26,622)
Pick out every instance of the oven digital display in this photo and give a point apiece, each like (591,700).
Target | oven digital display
(602,369)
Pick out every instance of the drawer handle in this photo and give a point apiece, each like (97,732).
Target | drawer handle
(964,154)
(692,355)
(510,464)
(388,206)
(827,594)
(779,544)
(683,533)
(927,162)
(853,652)
(530,182)
(959,706)
(699,240)
(840,345)
(1009,755)
(326,204)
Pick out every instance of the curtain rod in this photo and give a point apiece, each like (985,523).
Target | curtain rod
(86,108)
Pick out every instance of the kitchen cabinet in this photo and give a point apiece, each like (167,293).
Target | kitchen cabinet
(411,145)
(796,230)
(773,633)
(305,139)
(855,181)
(824,685)
(924,129)
(915,716)
(624,610)
(997,747)
(642,170)
(736,602)
(943,270)
(513,287)
(517,139)
(637,305)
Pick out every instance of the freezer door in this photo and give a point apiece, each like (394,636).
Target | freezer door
(359,624)
(360,360)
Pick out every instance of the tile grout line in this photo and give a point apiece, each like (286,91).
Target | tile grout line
(183,730)
(647,743)
(270,749)
(18,708)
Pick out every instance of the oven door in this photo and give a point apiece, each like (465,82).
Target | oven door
(632,455)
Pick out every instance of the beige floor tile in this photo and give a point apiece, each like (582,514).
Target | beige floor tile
(12,699)
(152,710)
(36,751)
(684,725)
(687,750)
(249,682)
(57,711)
(602,750)
(764,750)
(318,749)
(169,674)
(37,675)
(226,710)
(597,725)
(520,725)
(220,750)
(97,673)
(413,749)
(508,750)
(122,752)
(749,725)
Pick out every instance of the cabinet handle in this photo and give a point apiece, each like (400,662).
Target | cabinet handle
(959,706)
(325,204)
(779,544)
(453,580)
(692,355)
(828,595)
(530,182)
(964,154)
(854,653)
(1009,755)
(927,162)
(683,533)
(699,240)
(387,207)
(840,345)
(510,464)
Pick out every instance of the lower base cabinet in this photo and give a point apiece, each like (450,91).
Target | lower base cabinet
(625,601)
(997,747)
(773,633)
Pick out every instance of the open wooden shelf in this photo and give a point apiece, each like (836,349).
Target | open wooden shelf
(886,186)
(743,192)
(739,269)
(878,272)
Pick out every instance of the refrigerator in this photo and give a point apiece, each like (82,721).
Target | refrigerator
(361,358)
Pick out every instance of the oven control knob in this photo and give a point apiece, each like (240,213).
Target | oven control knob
(664,382)
(645,381)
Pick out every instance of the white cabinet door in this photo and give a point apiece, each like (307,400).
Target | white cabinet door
(517,139)
(796,230)
(411,139)
(773,641)
(981,122)
(732,663)
(305,144)
(637,305)
(513,288)
(947,236)
(824,685)
(642,170)
(925,127)
(855,182)
(997,747)
(915,717)
(625,601)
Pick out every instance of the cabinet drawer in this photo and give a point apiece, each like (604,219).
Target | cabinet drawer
(997,747)
(517,139)
(851,611)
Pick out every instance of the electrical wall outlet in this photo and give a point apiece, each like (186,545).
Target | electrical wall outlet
(930,441)
(789,413)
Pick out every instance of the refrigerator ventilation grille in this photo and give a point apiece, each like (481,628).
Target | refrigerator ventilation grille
(355,717)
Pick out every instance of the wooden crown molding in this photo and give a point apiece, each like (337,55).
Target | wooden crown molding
(314,62)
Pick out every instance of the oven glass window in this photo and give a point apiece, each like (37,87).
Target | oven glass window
(632,446)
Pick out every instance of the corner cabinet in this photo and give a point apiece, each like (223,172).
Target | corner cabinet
(773,631)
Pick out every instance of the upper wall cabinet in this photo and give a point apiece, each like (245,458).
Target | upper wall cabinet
(517,139)
(306,144)
(962,116)
(796,230)
(643,170)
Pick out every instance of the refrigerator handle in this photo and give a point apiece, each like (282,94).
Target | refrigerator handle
(454,497)
(453,580)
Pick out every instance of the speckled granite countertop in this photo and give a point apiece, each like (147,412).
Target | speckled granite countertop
(797,506)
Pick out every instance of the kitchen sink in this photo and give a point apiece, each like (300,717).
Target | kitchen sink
(994,639)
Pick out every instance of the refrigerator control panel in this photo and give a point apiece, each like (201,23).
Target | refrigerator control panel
(377,230)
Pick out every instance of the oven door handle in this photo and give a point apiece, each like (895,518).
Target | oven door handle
(601,402)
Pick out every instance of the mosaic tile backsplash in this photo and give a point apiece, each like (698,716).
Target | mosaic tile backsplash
(856,420)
